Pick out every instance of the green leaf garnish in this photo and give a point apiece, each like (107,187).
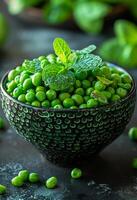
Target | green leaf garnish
(104,80)
(86,50)
(32,66)
(57,77)
(61,49)
(86,62)
(62,81)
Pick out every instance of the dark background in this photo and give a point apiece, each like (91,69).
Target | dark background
(108,177)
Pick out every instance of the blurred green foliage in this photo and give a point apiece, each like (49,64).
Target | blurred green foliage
(88,14)
(122,49)
(3,29)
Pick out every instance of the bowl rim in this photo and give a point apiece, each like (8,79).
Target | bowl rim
(133,89)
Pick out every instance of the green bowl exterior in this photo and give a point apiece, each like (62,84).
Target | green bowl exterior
(67,135)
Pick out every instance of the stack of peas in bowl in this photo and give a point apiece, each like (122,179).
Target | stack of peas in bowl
(88,91)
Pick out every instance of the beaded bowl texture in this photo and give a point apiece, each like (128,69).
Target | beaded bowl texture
(65,135)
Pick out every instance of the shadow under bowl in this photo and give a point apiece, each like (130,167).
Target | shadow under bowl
(66,135)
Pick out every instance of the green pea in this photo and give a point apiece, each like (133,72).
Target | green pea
(31,90)
(63,96)
(71,89)
(37,79)
(51,183)
(111,90)
(12,74)
(92,103)
(68,102)
(89,90)
(126,78)
(3,189)
(27,84)
(58,106)
(133,133)
(105,71)
(91,78)
(99,86)
(55,102)
(81,75)
(51,95)
(86,84)
(121,92)
(45,104)
(86,98)
(79,91)
(17,79)
(34,178)
(22,98)
(44,63)
(52,58)
(115,97)
(116,78)
(77,84)
(23,77)
(30,96)
(2,124)
(19,69)
(24,175)
(41,96)
(17,91)
(76,173)
(73,107)
(107,94)
(40,88)
(114,70)
(126,86)
(98,95)
(84,105)
(78,99)
(41,58)
(96,71)
(134,163)
(11,86)
(36,103)
(17,181)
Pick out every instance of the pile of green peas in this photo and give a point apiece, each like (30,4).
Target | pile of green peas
(24,176)
(88,91)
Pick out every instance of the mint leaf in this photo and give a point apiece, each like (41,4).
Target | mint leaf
(126,32)
(61,81)
(32,66)
(51,70)
(86,62)
(89,15)
(61,49)
(86,50)
(104,80)
(57,77)
(3,29)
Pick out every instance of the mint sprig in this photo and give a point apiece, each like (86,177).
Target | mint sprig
(62,49)
(32,66)
(59,75)
(86,50)
(86,62)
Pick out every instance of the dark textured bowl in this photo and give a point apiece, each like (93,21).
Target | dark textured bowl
(66,135)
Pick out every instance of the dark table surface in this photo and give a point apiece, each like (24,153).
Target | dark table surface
(107,177)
